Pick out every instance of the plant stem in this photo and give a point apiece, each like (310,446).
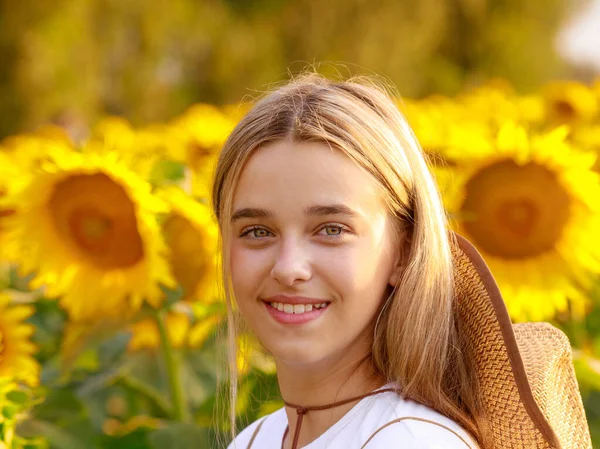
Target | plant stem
(180,410)
(146,391)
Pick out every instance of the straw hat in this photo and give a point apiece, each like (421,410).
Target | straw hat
(525,370)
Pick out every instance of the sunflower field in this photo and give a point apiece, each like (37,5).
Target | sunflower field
(111,320)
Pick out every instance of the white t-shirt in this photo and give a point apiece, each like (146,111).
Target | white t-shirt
(363,420)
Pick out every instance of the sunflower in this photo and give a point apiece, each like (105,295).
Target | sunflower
(196,139)
(531,205)
(587,137)
(439,124)
(181,331)
(116,428)
(252,355)
(8,172)
(144,333)
(192,237)
(432,121)
(493,104)
(44,133)
(145,150)
(16,349)
(203,329)
(569,102)
(140,149)
(27,151)
(12,398)
(15,402)
(438,121)
(596,88)
(86,228)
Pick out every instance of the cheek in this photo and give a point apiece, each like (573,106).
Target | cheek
(247,267)
(360,272)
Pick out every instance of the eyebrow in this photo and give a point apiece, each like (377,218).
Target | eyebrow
(332,209)
(318,210)
(250,212)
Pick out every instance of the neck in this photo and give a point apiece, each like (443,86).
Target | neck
(327,383)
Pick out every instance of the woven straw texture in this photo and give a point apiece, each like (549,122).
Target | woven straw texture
(546,354)
(526,372)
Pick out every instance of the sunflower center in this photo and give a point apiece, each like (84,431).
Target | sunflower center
(199,155)
(515,211)
(1,346)
(95,215)
(565,110)
(519,216)
(4,212)
(188,252)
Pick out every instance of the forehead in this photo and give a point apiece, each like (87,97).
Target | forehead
(296,175)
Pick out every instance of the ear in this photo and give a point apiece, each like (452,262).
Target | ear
(396,274)
(401,260)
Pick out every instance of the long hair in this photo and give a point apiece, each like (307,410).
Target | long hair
(417,341)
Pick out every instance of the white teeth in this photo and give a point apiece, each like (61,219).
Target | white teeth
(296,308)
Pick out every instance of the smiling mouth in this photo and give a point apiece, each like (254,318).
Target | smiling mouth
(297,309)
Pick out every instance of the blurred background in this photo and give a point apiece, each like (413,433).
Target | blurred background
(112,114)
(69,61)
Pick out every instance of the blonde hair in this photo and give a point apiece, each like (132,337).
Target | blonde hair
(417,342)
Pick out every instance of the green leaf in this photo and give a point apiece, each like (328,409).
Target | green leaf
(35,443)
(146,391)
(588,371)
(112,350)
(166,169)
(179,436)
(197,389)
(63,408)
(4,429)
(17,397)
(97,382)
(9,411)
(138,439)
(57,437)
(172,295)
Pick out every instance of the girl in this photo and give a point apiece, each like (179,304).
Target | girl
(336,254)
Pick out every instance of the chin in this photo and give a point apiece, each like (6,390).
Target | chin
(294,356)
(304,357)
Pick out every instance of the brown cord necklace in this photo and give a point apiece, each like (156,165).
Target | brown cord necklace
(301,411)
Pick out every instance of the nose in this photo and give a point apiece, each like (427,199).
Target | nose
(291,265)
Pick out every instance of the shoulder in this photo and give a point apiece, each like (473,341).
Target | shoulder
(242,440)
(419,427)
(415,433)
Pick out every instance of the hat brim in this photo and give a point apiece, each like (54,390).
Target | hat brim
(486,317)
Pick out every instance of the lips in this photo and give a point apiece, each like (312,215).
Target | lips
(295,310)
(283,299)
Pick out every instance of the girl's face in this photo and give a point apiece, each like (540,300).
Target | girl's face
(312,252)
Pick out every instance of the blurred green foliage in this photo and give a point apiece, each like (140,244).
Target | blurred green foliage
(72,61)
